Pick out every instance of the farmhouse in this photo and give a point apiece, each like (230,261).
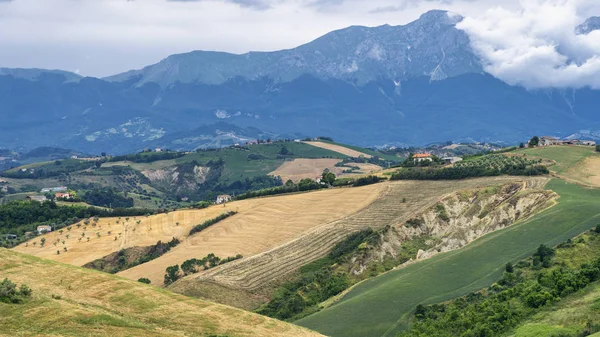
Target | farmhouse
(547,141)
(223,198)
(63,196)
(44,229)
(588,142)
(38,198)
(419,157)
(451,160)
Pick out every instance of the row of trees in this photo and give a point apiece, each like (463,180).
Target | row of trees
(208,223)
(289,187)
(192,266)
(131,257)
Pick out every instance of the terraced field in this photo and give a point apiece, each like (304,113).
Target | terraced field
(72,301)
(261,225)
(382,306)
(250,274)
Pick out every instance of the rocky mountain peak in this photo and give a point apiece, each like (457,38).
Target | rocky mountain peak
(588,26)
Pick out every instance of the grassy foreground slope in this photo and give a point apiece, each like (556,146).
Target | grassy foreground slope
(382,306)
(72,301)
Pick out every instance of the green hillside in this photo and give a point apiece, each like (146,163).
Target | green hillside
(382,306)
(162,179)
(564,156)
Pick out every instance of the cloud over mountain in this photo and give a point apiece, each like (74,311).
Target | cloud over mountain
(537,45)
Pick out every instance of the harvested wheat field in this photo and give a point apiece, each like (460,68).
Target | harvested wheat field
(109,235)
(339,149)
(400,201)
(261,225)
(586,172)
(299,169)
(73,301)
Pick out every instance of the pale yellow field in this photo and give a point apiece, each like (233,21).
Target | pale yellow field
(299,169)
(72,301)
(128,233)
(261,225)
(586,172)
(339,149)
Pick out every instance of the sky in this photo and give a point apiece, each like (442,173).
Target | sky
(525,42)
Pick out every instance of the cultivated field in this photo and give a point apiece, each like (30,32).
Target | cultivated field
(72,301)
(382,306)
(261,224)
(127,231)
(586,171)
(579,164)
(251,274)
(299,169)
(339,149)
(564,157)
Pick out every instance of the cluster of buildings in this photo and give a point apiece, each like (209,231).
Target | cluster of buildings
(54,189)
(548,141)
(222,199)
(420,157)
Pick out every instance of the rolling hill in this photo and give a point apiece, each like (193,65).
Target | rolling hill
(73,301)
(159,179)
(382,306)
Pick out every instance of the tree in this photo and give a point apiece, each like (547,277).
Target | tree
(172,274)
(509,267)
(597,148)
(535,141)
(43,242)
(10,294)
(284,151)
(328,177)
(521,146)
(144,280)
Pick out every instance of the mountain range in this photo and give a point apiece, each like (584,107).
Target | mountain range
(387,85)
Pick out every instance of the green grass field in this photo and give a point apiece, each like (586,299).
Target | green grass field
(564,156)
(382,306)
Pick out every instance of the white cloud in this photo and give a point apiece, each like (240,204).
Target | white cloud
(536,45)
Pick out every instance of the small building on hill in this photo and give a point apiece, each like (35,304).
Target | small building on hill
(38,198)
(9,236)
(588,142)
(65,196)
(451,160)
(44,229)
(223,198)
(547,141)
(419,157)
